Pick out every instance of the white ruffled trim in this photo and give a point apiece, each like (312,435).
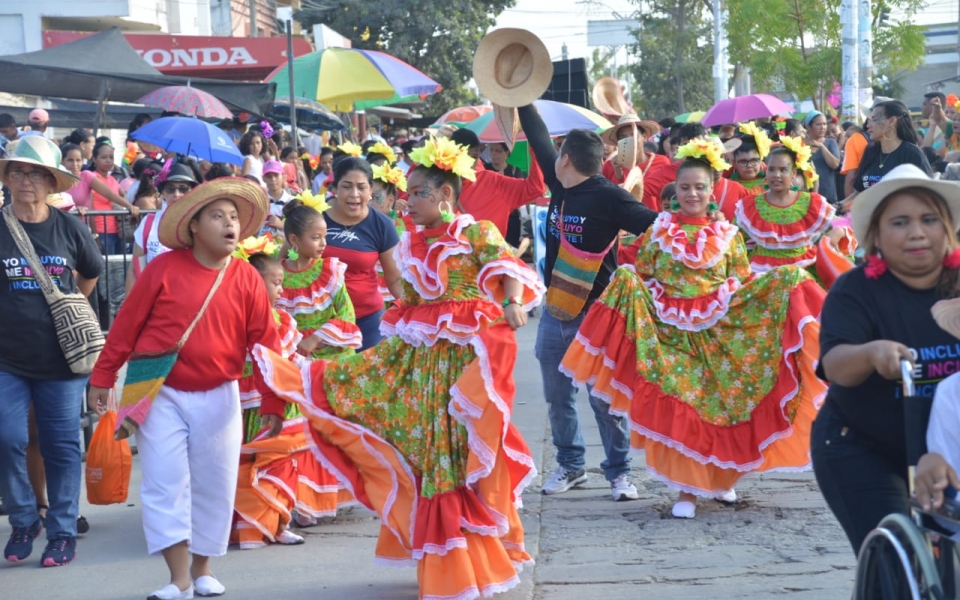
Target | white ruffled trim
(509,268)
(318,299)
(438,550)
(761,269)
(418,333)
(773,241)
(409,264)
(695,320)
(332,335)
(676,244)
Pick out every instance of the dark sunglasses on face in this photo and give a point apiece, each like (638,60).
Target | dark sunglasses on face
(183,189)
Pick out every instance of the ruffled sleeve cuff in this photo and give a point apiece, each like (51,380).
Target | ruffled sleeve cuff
(340,333)
(490,281)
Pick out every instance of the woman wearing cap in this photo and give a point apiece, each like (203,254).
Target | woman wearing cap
(420,424)
(631,125)
(189,437)
(172,184)
(275,181)
(875,316)
(894,143)
(826,154)
(785,226)
(671,345)
(748,167)
(33,371)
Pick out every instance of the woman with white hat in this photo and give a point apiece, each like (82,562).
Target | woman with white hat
(875,316)
(33,370)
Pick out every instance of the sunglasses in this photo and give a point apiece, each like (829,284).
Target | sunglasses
(182,189)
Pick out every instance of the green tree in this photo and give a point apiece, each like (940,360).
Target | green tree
(675,48)
(436,37)
(795,45)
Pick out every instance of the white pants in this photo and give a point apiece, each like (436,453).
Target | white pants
(189,447)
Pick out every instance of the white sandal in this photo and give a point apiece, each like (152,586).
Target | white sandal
(684,510)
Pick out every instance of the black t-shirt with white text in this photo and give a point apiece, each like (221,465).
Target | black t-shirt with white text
(859,310)
(28,344)
(871,171)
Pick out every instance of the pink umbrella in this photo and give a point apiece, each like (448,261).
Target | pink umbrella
(745,108)
(186,101)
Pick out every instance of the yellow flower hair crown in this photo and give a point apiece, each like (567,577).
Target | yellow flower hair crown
(350,149)
(445,154)
(708,149)
(256,245)
(760,138)
(391,175)
(383,150)
(317,203)
(800,150)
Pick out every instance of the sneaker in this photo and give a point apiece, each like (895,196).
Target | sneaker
(562,480)
(172,592)
(59,551)
(21,542)
(728,497)
(622,489)
(82,525)
(289,538)
(207,586)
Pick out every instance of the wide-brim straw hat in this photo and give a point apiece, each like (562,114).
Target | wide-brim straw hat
(38,151)
(947,315)
(626,157)
(249,198)
(900,178)
(512,67)
(647,128)
(633,183)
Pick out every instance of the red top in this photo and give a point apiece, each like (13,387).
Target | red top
(492,197)
(727,193)
(162,304)
(103,224)
(656,179)
(651,199)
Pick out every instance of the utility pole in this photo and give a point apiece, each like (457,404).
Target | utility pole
(851,60)
(865,52)
(721,85)
(253,18)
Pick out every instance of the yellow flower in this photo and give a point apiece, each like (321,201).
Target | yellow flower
(256,245)
(317,203)
(392,175)
(445,154)
(350,149)
(760,138)
(707,149)
(365,35)
(800,150)
(384,150)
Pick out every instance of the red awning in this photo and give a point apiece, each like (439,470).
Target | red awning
(247,59)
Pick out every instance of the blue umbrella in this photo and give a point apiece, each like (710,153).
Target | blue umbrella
(191,137)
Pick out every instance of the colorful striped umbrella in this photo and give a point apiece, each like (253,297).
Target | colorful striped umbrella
(186,101)
(339,77)
(690,117)
(464,114)
(559,117)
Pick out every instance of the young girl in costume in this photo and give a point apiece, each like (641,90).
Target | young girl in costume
(387,182)
(198,306)
(786,226)
(672,346)
(748,158)
(419,425)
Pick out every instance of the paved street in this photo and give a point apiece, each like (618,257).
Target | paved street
(780,538)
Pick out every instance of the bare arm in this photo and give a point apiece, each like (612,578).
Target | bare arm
(86,285)
(116,199)
(391,273)
(850,365)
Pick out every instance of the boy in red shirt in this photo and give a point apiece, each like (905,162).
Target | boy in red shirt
(189,438)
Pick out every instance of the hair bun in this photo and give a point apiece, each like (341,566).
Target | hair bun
(291,206)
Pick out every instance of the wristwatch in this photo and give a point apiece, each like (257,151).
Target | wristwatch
(512,300)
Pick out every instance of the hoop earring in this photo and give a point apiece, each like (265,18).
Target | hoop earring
(446,213)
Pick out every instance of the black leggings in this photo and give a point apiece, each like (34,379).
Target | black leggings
(860,483)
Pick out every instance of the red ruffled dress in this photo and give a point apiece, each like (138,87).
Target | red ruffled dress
(712,366)
(419,425)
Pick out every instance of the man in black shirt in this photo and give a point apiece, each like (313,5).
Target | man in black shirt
(590,211)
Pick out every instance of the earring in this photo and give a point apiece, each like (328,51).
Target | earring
(292,254)
(952,259)
(674,204)
(876,266)
(446,213)
(712,206)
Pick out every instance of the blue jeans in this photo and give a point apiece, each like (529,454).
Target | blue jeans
(370,330)
(111,243)
(553,339)
(56,406)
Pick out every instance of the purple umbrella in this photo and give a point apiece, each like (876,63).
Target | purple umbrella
(745,108)
(186,101)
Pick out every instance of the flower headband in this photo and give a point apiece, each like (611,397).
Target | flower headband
(760,138)
(256,245)
(709,150)
(312,159)
(445,154)
(317,203)
(803,154)
(383,150)
(392,175)
(266,130)
(350,149)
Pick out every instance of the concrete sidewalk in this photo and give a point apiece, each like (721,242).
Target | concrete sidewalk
(779,539)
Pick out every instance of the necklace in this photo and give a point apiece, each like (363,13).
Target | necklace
(884,157)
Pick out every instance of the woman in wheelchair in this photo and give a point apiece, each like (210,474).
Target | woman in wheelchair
(875,316)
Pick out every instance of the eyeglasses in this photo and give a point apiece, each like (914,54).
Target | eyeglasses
(181,189)
(748,162)
(423,193)
(34,176)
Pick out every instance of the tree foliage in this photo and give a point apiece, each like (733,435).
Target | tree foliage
(437,37)
(675,47)
(794,46)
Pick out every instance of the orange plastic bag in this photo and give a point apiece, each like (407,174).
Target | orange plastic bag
(109,463)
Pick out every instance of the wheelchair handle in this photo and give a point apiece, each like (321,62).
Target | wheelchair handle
(906,372)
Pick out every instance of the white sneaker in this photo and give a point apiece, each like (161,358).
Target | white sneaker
(207,585)
(622,489)
(289,538)
(684,510)
(728,497)
(172,592)
(562,480)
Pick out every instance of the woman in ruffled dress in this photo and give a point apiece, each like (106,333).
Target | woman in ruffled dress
(787,226)
(671,345)
(419,425)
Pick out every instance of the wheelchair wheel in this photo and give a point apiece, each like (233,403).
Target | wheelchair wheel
(895,562)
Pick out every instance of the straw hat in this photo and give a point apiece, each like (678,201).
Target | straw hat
(250,199)
(899,178)
(608,97)
(947,315)
(512,67)
(38,151)
(647,128)
(626,157)
(633,183)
